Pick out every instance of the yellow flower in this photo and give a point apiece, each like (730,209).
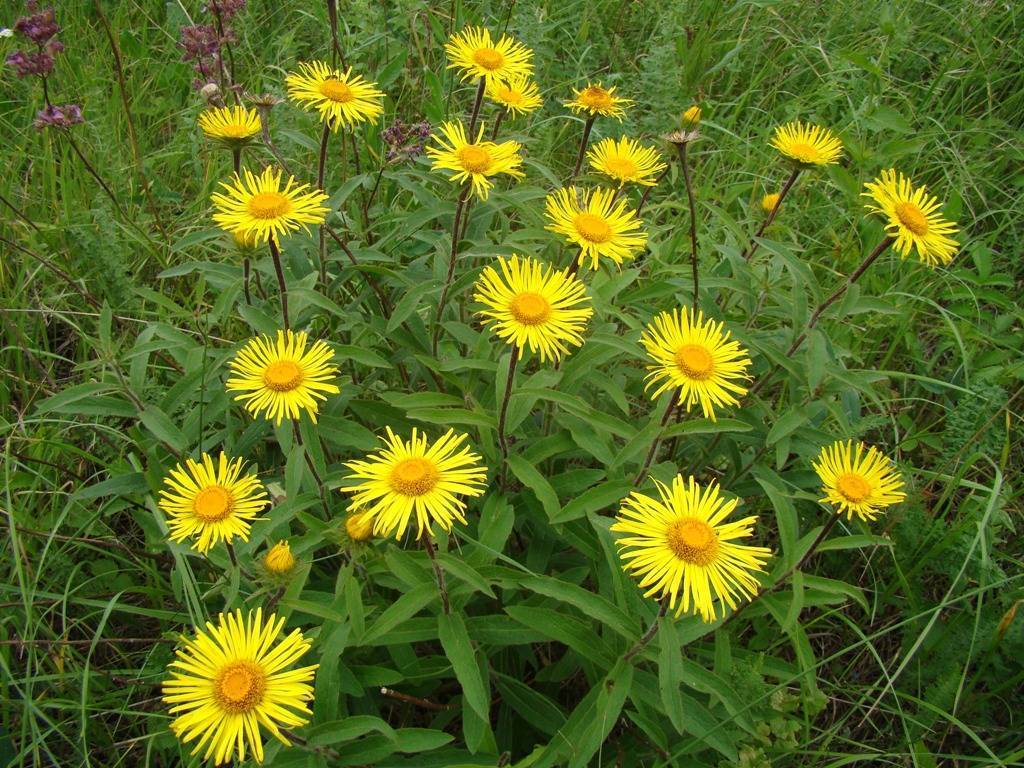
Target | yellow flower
(769,201)
(281,379)
(359,526)
(244,241)
(341,98)
(595,100)
(257,207)
(861,482)
(601,227)
(681,548)
(691,118)
(913,218)
(528,305)
(233,126)
(279,559)
(519,95)
(696,357)
(807,144)
(626,160)
(474,53)
(232,678)
(476,161)
(414,477)
(211,503)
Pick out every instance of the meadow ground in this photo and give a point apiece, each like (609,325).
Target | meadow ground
(520,641)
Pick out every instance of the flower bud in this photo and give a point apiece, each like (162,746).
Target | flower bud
(279,559)
(691,118)
(769,201)
(359,526)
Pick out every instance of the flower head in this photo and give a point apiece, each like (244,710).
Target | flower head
(475,54)
(600,226)
(807,145)
(233,126)
(519,94)
(260,207)
(475,161)
(769,201)
(359,526)
(696,357)
(279,559)
(279,380)
(341,98)
(532,306)
(230,679)
(681,548)
(913,218)
(414,477)
(211,502)
(858,481)
(63,116)
(626,160)
(596,100)
(691,118)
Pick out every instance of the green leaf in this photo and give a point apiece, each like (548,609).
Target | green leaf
(534,707)
(165,430)
(593,606)
(405,607)
(786,425)
(534,481)
(593,500)
(451,631)
(347,729)
(670,671)
(565,629)
(421,739)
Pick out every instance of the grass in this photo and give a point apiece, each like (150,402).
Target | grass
(897,644)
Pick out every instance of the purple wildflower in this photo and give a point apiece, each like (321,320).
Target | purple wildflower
(63,116)
(38,26)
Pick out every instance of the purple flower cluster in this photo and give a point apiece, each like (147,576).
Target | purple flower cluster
(63,116)
(405,141)
(39,27)
(202,43)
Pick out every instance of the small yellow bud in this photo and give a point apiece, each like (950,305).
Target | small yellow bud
(359,526)
(691,118)
(279,559)
(768,202)
(245,241)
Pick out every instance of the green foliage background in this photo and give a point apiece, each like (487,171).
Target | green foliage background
(897,645)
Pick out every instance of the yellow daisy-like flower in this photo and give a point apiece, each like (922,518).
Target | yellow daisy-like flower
(626,160)
(341,98)
(532,306)
(258,208)
(475,161)
(681,548)
(859,481)
(596,100)
(913,218)
(474,53)
(211,502)
(769,201)
(415,477)
(807,144)
(519,95)
(232,678)
(279,559)
(601,227)
(279,380)
(233,126)
(695,356)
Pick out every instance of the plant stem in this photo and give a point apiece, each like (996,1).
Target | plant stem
(502,439)
(752,247)
(246,268)
(693,221)
(583,149)
(321,167)
(647,191)
(497,122)
(275,254)
(476,110)
(657,439)
(312,469)
(456,228)
(438,572)
(649,634)
(332,15)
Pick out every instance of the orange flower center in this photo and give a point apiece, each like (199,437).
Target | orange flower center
(912,218)
(530,308)
(595,97)
(239,687)
(212,504)
(805,153)
(282,376)
(692,541)
(335,90)
(474,158)
(488,58)
(268,205)
(853,487)
(695,361)
(508,96)
(413,477)
(622,167)
(592,228)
